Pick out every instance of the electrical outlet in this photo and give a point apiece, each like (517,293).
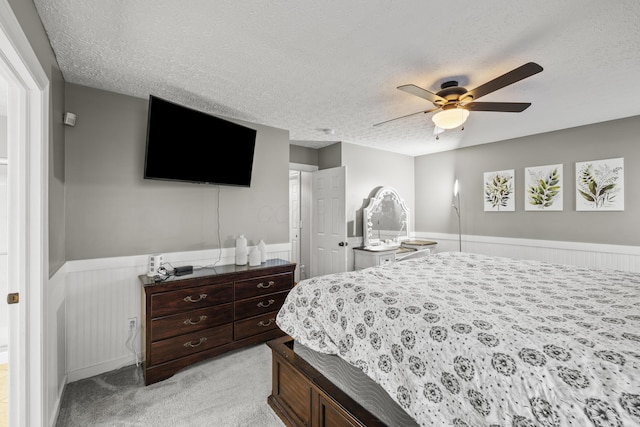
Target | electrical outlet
(133,323)
(302,268)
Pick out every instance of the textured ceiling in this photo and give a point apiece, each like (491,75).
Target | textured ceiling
(307,66)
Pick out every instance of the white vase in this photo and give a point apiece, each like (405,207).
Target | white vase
(241,250)
(254,257)
(262,247)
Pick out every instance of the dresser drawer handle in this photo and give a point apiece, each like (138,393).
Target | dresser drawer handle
(269,284)
(192,345)
(191,322)
(262,323)
(263,305)
(200,298)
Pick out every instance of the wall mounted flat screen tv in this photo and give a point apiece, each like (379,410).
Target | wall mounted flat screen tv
(184,144)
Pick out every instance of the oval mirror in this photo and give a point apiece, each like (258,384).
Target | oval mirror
(386,219)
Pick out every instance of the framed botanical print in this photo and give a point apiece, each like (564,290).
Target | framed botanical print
(499,192)
(543,188)
(600,185)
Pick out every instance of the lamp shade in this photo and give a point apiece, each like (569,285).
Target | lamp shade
(451,118)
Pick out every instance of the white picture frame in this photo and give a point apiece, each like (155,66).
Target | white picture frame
(600,185)
(543,188)
(499,191)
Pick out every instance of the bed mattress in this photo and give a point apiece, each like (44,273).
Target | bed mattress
(358,386)
(470,340)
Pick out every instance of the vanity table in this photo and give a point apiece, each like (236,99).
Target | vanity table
(368,257)
(386,232)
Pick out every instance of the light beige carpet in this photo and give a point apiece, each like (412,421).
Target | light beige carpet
(229,390)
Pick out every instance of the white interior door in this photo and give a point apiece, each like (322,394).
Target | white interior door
(294,220)
(329,230)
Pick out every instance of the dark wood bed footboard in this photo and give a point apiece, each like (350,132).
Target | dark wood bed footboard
(301,396)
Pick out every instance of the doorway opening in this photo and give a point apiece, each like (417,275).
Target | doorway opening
(300,217)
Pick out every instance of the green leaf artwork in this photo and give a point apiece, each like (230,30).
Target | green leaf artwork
(498,190)
(544,190)
(599,185)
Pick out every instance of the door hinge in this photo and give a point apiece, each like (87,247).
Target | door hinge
(13,298)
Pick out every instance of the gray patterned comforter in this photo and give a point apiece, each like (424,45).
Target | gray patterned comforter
(469,340)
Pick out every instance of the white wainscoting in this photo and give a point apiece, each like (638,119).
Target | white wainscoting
(55,369)
(595,255)
(102,294)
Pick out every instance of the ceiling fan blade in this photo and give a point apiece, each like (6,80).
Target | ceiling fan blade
(504,107)
(423,93)
(522,72)
(408,115)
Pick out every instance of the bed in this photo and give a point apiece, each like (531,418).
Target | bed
(461,339)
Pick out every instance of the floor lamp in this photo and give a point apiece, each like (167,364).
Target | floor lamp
(456,194)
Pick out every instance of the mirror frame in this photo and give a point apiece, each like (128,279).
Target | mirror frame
(368,211)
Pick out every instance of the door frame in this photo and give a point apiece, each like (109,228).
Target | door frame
(304,197)
(28,142)
(295,220)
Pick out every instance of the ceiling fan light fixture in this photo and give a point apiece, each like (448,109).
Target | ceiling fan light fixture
(451,118)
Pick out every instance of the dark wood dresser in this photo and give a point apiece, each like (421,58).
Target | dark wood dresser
(191,318)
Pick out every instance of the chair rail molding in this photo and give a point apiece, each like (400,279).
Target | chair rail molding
(596,255)
(103,293)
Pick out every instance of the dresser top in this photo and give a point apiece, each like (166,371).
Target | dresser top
(216,271)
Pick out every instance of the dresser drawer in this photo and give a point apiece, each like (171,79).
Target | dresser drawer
(184,345)
(188,299)
(259,305)
(387,259)
(263,285)
(191,321)
(255,325)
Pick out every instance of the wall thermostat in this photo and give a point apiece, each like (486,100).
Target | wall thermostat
(69,119)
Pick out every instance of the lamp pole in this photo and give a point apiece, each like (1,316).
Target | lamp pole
(456,194)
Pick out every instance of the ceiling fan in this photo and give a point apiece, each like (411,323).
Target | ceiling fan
(453,102)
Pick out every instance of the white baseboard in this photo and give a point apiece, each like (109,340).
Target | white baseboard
(100,368)
(53,418)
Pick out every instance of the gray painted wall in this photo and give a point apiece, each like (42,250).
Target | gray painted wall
(29,20)
(435,175)
(303,155)
(330,156)
(113,211)
(367,170)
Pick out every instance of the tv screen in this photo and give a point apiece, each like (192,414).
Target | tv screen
(188,145)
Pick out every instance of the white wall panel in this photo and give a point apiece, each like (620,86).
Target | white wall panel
(102,294)
(55,343)
(609,257)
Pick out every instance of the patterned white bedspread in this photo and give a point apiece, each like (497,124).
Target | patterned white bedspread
(469,340)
